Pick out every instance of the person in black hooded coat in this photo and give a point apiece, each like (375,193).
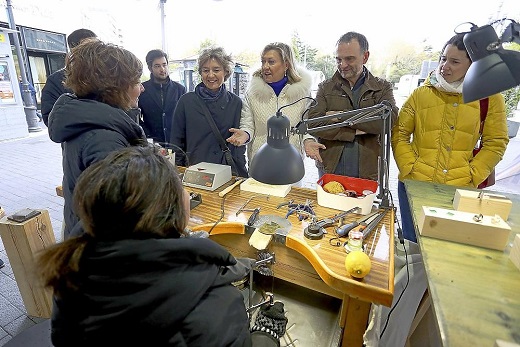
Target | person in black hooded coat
(135,277)
(95,120)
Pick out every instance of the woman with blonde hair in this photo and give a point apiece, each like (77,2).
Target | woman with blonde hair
(279,82)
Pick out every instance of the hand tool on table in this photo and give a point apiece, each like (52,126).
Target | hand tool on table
(367,222)
(316,229)
(231,187)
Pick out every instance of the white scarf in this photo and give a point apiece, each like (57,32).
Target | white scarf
(440,83)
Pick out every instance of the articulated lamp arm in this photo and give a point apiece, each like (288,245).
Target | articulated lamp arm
(380,111)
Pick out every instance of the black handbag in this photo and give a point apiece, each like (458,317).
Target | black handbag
(218,135)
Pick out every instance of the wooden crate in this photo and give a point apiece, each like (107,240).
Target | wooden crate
(22,242)
(489,232)
(489,204)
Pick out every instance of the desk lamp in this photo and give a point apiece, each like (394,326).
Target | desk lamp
(278,162)
(494,69)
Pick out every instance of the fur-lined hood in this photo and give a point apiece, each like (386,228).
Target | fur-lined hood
(263,92)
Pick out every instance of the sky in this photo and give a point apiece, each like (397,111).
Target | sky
(240,25)
(248,25)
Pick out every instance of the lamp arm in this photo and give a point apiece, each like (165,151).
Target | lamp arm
(357,116)
(381,111)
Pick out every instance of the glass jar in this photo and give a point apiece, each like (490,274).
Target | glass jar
(355,241)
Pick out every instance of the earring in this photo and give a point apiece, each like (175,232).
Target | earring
(285,73)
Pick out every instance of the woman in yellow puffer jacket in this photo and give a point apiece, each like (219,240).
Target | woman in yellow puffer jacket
(435,133)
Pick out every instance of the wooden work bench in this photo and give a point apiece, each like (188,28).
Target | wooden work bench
(313,264)
(475,292)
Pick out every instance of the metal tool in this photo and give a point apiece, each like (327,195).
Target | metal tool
(360,224)
(231,187)
(243,209)
(316,229)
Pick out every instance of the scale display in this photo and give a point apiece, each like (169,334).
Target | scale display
(206,176)
(199,178)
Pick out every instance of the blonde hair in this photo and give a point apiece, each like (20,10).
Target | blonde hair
(287,55)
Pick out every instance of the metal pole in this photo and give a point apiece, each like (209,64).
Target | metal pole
(162,26)
(29,106)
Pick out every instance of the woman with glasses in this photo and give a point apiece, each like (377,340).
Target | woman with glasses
(278,82)
(202,118)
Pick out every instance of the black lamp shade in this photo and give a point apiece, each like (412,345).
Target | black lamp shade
(277,161)
(493,70)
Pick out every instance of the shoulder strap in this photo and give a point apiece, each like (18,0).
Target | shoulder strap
(484,104)
(218,135)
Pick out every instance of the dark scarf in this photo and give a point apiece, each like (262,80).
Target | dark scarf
(278,86)
(209,95)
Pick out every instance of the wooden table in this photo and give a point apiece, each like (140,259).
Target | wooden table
(313,264)
(475,292)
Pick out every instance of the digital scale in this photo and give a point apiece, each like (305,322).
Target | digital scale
(206,176)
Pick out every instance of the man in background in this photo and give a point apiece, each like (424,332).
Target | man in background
(351,151)
(159,99)
(54,86)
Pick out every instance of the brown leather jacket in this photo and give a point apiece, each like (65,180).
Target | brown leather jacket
(334,94)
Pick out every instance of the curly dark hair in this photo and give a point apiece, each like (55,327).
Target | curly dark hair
(102,71)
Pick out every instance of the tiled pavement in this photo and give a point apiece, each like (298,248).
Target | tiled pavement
(30,169)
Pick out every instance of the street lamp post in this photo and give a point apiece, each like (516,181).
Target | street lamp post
(29,106)
(162,26)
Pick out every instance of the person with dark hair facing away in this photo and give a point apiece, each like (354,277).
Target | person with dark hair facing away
(94,121)
(436,132)
(136,277)
(159,99)
(351,150)
(53,87)
(197,111)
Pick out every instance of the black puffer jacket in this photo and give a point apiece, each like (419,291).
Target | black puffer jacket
(51,91)
(157,103)
(88,130)
(155,292)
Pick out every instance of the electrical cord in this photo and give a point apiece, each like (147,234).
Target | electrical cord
(221,214)
(175,148)
(401,241)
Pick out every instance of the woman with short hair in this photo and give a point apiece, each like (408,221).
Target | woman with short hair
(99,117)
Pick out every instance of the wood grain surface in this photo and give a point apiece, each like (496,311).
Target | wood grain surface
(315,264)
(475,291)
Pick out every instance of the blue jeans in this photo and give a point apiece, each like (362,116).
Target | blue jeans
(407,225)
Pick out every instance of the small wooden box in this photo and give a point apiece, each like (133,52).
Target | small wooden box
(489,204)
(515,252)
(459,226)
(22,241)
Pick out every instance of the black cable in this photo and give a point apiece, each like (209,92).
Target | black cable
(314,102)
(169,145)
(401,241)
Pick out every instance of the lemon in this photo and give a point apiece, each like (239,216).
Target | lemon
(358,264)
